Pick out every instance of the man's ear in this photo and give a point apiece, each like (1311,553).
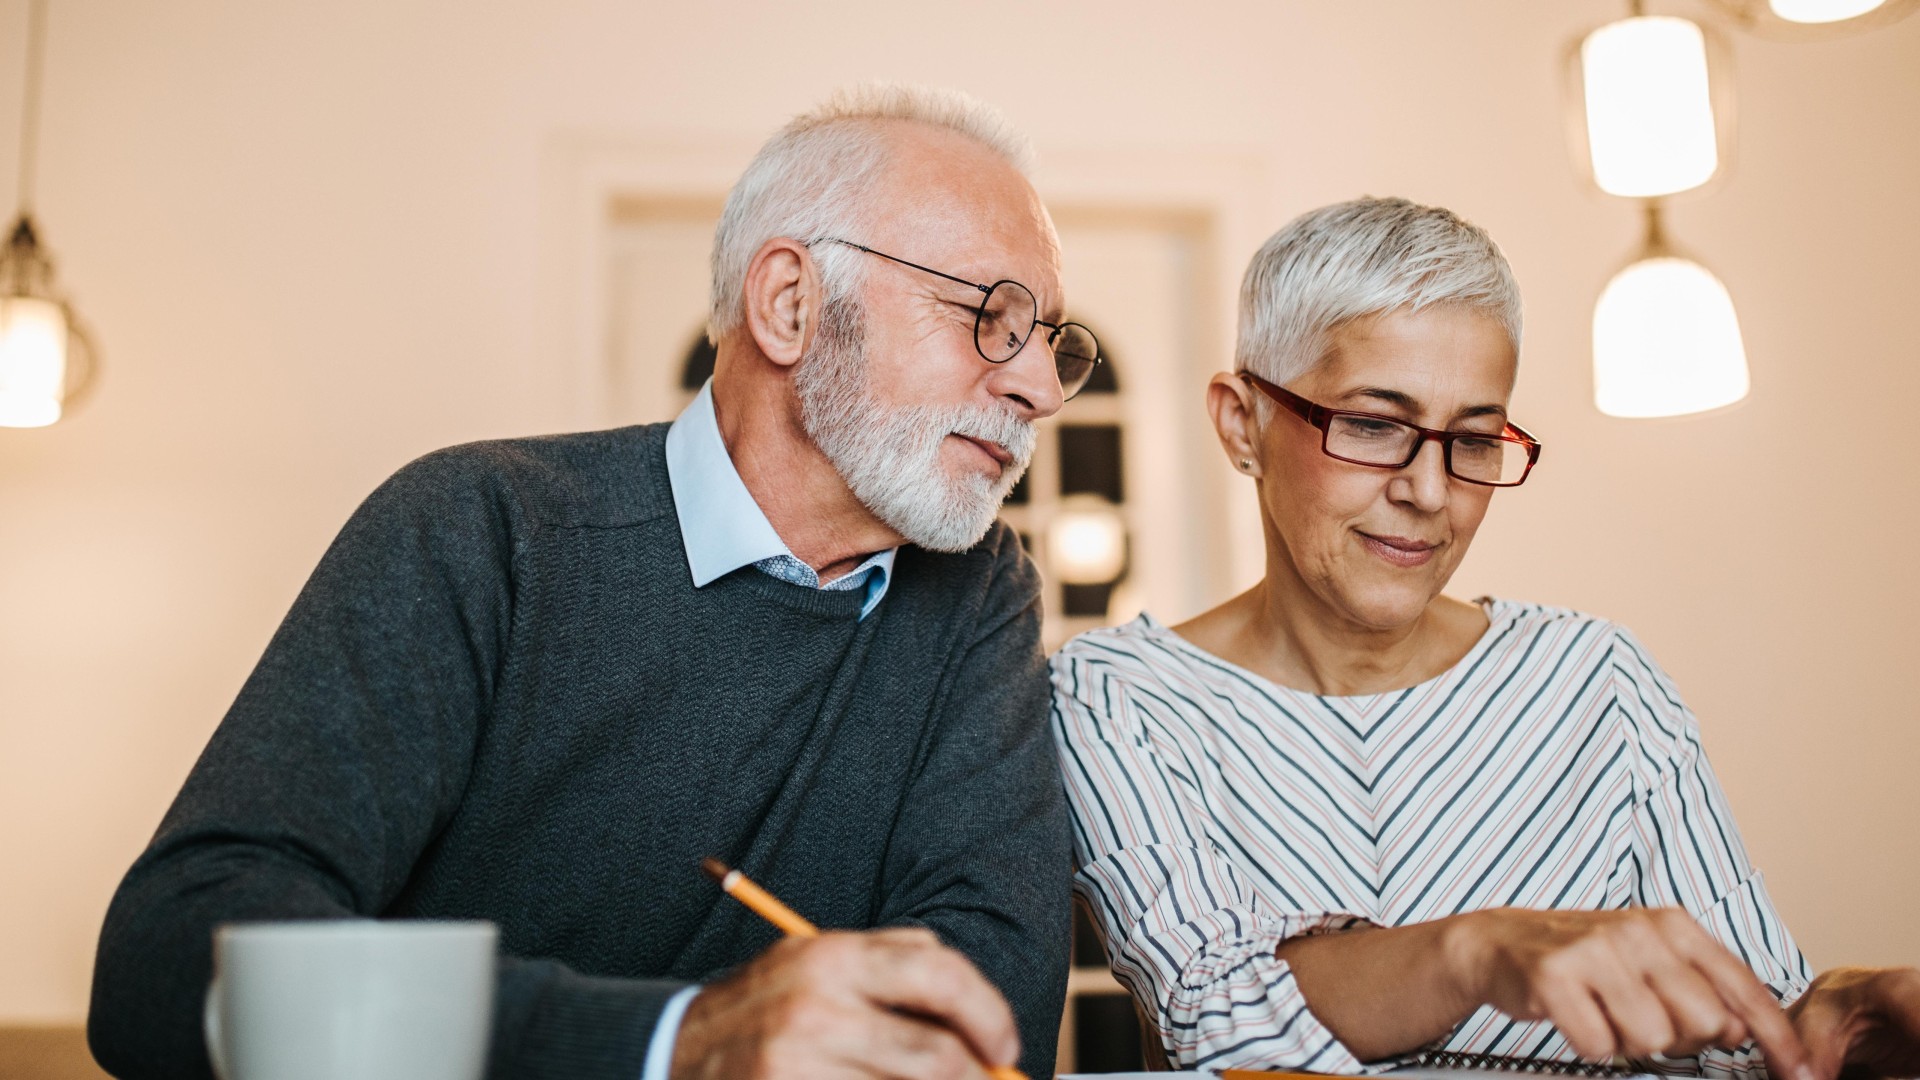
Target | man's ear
(782,296)
(1232,403)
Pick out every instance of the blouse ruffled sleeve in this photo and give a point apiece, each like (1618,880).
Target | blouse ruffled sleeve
(1185,930)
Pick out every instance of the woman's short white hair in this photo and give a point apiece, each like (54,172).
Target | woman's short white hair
(811,179)
(1350,260)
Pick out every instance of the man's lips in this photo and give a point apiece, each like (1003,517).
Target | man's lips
(1399,550)
(992,449)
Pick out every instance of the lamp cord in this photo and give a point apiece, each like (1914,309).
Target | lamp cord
(30,105)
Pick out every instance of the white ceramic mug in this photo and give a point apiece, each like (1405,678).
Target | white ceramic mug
(351,1000)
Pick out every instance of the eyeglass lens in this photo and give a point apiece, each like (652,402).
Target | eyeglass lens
(1075,353)
(1371,441)
(1007,319)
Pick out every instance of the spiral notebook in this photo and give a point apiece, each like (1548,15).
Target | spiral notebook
(1447,1063)
(1433,1065)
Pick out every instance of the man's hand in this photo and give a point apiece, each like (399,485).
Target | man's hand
(886,1003)
(1867,1019)
(1633,983)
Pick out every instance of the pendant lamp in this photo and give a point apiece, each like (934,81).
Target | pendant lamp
(1666,340)
(1648,90)
(1808,20)
(47,361)
(1655,120)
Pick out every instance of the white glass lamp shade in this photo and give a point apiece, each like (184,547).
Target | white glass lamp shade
(33,361)
(1086,541)
(1649,107)
(1666,341)
(1822,11)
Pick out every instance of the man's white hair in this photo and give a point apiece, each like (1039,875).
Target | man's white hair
(1350,260)
(813,177)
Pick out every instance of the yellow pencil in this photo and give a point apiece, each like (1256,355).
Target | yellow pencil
(767,906)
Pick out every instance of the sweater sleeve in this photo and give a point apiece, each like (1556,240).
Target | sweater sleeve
(344,755)
(1185,928)
(1687,850)
(980,853)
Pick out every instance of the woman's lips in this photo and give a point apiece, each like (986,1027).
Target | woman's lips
(1400,550)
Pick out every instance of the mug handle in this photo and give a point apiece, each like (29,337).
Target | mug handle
(210,1025)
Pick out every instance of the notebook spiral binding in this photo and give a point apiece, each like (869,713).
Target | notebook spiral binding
(1448,1059)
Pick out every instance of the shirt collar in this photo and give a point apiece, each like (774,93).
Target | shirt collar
(721,527)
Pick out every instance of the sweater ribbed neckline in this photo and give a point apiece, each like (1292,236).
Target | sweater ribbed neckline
(825,603)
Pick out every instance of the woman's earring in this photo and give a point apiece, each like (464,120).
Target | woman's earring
(1246,464)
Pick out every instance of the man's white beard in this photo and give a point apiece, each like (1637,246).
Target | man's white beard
(890,456)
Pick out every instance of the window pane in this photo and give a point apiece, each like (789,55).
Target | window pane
(1090,461)
(1086,601)
(1019,495)
(697,367)
(1106,1034)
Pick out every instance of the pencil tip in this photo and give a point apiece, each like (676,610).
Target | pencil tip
(715,869)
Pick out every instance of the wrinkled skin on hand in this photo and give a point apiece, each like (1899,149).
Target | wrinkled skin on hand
(1861,1022)
(885,1003)
(1634,983)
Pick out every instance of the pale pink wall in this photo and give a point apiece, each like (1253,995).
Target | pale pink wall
(309,237)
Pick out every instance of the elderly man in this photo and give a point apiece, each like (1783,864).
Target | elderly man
(536,681)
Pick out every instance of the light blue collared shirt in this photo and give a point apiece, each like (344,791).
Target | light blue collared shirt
(721,526)
(723,529)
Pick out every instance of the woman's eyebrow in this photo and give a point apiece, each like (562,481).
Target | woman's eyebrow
(1382,394)
(1403,400)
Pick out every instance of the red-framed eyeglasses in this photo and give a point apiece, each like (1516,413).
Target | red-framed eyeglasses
(1383,442)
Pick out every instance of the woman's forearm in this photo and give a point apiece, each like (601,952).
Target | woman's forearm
(1385,992)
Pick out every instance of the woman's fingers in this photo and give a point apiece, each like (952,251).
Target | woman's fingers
(1658,982)
(1644,982)
(1639,1016)
(1745,997)
(1701,1018)
(1572,1008)
(1668,947)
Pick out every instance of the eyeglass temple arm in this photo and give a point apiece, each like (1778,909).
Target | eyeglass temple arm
(1531,439)
(903,262)
(1285,398)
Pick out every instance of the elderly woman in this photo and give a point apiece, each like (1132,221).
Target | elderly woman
(1342,818)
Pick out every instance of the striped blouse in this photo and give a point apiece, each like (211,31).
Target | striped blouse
(1217,814)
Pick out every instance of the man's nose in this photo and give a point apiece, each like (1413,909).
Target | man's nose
(1030,381)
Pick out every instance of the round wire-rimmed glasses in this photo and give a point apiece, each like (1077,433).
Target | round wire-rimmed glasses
(1382,442)
(1005,319)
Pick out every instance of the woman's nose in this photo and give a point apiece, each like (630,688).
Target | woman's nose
(1423,482)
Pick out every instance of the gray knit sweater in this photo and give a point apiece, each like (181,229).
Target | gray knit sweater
(500,697)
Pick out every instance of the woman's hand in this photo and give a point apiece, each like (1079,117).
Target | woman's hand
(1631,983)
(1868,1018)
